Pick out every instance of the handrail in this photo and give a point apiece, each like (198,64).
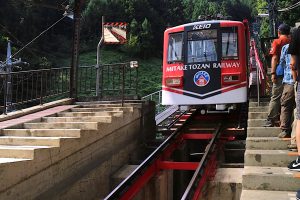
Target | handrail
(260,72)
(152,94)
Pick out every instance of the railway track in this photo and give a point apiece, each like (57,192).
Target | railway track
(200,138)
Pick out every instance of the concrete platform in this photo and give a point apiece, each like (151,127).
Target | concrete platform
(270,178)
(267,195)
(272,158)
(267,143)
(70,156)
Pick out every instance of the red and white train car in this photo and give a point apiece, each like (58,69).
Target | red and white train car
(205,63)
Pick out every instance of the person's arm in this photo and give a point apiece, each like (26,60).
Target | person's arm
(274,60)
(293,66)
(274,63)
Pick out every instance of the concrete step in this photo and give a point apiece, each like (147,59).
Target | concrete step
(98,105)
(267,195)
(26,152)
(63,125)
(270,178)
(104,119)
(6,161)
(226,185)
(125,109)
(258,109)
(255,104)
(263,131)
(42,132)
(267,143)
(86,114)
(30,141)
(270,158)
(258,115)
(256,122)
(264,99)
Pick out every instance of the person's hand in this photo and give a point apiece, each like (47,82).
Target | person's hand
(273,78)
(294,74)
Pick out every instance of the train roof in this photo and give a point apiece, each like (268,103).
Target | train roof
(206,22)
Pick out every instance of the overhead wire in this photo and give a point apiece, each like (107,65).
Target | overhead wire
(290,7)
(29,43)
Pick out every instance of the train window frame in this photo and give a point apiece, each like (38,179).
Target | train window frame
(207,37)
(180,57)
(233,29)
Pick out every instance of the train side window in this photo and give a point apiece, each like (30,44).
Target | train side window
(230,43)
(175,47)
(202,46)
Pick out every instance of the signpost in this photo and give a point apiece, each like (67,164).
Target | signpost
(112,33)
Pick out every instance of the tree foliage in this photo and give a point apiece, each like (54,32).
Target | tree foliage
(21,21)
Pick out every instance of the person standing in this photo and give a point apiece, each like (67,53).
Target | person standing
(288,95)
(294,50)
(277,74)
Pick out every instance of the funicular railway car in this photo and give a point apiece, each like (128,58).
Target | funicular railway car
(205,63)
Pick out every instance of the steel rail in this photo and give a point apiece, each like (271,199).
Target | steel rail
(123,187)
(191,190)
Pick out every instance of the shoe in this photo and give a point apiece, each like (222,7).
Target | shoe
(298,195)
(295,165)
(284,134)
(292,147)
(269,123)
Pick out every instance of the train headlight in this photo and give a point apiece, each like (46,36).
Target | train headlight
(174,81)
(230,78)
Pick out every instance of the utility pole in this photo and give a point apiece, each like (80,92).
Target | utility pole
(6,68)
(98,90)
(75,49)
(272,8)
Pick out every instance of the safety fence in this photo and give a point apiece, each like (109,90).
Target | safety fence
(29,88)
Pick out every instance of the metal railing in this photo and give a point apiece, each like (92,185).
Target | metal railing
(118,81)
(157,98)
(29,88)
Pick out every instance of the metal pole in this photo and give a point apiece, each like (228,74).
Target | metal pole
(99,59)
(257,85)
(123,83)
(75,50)
(5,94)
(272,9)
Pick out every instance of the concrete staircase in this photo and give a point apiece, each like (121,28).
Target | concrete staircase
(266,176)
(70,154)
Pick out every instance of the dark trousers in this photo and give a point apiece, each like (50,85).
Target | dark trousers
(287,107)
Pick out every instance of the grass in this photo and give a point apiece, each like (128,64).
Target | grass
(150,69)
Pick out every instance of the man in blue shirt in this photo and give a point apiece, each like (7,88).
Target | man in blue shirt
(288,96)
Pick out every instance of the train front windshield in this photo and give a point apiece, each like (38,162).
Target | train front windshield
(230,43)
(175,47)
(202,46)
